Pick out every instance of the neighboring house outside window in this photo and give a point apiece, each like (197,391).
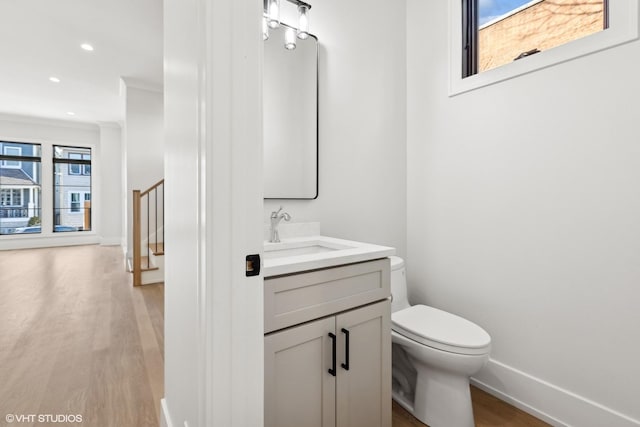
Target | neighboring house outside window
(492,41)
(12,151)
(76,201)
(72,188)
(20,190)
(11,197)
(79,169)
(536,26)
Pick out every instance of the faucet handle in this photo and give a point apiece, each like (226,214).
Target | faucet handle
(275,214)
(278,216)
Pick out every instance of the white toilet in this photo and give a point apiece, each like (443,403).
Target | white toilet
(434,354)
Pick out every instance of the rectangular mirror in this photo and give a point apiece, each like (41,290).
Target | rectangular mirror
(290,117)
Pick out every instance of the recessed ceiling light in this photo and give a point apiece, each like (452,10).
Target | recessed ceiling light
(87,47)
(71,113)
(54,79)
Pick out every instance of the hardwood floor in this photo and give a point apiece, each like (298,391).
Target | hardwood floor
(488,411)
(76,338)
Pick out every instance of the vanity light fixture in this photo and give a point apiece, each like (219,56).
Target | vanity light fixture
(271,19)
(265,28)
(274,13)
(54,79)
(290,39)
(87,47)
(303,20)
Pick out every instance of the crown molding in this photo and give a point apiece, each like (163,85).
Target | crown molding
(16,118)
(142,84)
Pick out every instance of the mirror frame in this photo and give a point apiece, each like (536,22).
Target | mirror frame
(317,124)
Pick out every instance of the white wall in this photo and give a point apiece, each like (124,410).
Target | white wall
(362,194)
(181,382)
(523,216)
(214,332)
(49,132)
(143,139)
(111,178)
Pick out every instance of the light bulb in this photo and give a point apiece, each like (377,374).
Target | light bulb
(290,39)
(274,13)
(265,28)
(303,21)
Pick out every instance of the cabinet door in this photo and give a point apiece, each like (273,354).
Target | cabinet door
(363,391)
(298,389)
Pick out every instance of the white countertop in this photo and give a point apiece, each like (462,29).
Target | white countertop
(289,255)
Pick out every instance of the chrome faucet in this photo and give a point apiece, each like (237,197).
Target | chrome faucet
(276,217)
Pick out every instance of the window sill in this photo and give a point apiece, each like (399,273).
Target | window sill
(623,28)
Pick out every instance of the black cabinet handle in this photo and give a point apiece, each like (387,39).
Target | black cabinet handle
(333,354)
(345,365)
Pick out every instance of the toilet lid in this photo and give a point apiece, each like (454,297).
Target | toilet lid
(439,329)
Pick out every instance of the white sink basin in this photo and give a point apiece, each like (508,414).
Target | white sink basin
(289,249)
(312,252)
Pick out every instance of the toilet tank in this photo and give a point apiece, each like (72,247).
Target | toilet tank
(398,284)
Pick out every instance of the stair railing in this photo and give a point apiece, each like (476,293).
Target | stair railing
(148,228)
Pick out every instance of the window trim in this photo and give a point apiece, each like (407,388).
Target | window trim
(469,26)
(623,28)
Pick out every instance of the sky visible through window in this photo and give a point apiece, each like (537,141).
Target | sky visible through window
(491,9)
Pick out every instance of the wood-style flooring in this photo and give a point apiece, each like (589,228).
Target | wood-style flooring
(76,338)
(488,411)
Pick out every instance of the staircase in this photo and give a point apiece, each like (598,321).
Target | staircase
(147,264)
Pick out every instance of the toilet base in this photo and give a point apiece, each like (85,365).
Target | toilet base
(441,403)
(443,400)
(439,393)
(402,401)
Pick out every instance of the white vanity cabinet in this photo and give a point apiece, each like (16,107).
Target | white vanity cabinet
(333,370)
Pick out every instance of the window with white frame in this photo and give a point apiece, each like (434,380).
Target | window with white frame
(74,202)
(77,201)
(72,188)
(12,152)
(496,40)
(80,168)
(499,32)
(20,187)
(10,197)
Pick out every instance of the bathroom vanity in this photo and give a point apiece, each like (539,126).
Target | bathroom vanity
(327,333)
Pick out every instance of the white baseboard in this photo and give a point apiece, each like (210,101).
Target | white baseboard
(125,259)
(543,400)
(50,240)
(165,418)
(110,241)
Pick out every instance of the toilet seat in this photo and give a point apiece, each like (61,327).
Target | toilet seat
(441,330)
